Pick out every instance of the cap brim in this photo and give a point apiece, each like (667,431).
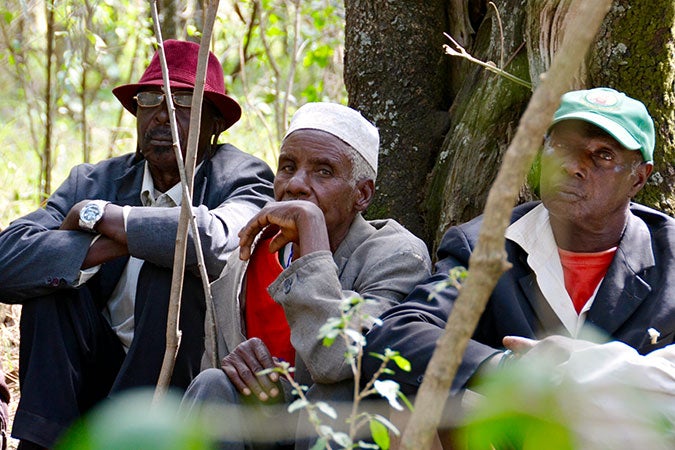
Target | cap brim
(226,105)
(615,130)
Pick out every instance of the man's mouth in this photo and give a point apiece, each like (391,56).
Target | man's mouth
(158,138)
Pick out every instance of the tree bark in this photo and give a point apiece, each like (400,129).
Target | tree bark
(635,54)
(484,117)
(488,261)
(398,77)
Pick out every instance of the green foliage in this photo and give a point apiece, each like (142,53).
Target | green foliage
(456,276)
(104,43)
(345,328)
(523,410)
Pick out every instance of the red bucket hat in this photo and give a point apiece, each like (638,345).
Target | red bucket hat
(181,60)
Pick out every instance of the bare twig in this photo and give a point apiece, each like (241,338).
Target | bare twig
(173,334)
(488,260)
(501,35)
(462,53)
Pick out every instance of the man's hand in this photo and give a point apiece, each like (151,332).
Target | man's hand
(72,220)
(298,221)
(113,241)
(553,349)
(242,365)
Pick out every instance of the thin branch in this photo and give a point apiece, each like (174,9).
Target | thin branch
(462,53)
(173,333)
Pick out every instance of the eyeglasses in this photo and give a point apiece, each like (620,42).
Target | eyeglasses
(150,99)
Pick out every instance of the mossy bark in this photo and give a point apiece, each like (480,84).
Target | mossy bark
(445,122)
(484,116)
(635,53)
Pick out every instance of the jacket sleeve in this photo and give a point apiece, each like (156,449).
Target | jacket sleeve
(35,256)
(311,292)
(413,327)
(218,221)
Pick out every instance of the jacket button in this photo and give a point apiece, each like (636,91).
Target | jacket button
(288,283)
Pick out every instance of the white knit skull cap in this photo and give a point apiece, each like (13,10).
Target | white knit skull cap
(342,122)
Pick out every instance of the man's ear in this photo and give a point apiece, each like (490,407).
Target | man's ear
(365,192)
(642,173)
(218,126)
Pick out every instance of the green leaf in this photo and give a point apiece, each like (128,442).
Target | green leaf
(298,404)
(320,444)
(380,434)
(384,421)
(326,409)
(343,439)
(402,363)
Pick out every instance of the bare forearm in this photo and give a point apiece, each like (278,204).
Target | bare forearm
(103,250)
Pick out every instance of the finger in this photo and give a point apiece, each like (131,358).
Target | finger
(519,344)
(232,373)
(264,386)
(248,233)
(279,241)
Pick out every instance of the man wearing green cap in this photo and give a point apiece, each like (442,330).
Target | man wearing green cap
(583,258)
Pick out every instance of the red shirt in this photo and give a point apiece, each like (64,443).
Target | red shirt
(264,317)
(583,272)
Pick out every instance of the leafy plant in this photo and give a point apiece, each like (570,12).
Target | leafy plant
(347,327)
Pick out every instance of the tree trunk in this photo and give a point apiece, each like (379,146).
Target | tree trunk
(46,161)
(436,168)
(168,18)
(484,117)
(634,54)
(398,77)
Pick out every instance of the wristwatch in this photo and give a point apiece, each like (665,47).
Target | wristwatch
(91,214)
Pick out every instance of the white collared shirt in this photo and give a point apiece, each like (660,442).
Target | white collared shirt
(533,233)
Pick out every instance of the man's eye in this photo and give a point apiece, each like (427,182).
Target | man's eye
(604,155)
(325,172)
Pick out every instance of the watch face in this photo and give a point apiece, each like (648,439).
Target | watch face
(90,213)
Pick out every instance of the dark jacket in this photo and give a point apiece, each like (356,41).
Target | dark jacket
(638,292)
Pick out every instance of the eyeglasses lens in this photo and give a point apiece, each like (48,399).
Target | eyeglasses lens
(149,99)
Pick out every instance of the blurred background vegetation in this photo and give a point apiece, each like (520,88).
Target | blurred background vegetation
(59,61)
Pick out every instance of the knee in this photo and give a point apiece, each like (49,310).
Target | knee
(213,386)
(334,392)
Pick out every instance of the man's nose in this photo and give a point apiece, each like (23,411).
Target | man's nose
(162,115)
(298,185)
(574,165)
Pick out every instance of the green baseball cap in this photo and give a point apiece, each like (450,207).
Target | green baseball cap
(624,118)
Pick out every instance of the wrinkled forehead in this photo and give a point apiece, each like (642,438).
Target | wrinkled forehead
(314,143)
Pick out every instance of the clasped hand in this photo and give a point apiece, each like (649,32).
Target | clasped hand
(242,366)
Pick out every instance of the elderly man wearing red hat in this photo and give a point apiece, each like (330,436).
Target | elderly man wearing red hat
(586,262)
(93,267)
(314,251)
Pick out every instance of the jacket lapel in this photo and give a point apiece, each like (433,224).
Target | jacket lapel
(358,232)
(624,286)
(548,321)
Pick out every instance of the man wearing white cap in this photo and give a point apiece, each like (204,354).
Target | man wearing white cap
(314,250)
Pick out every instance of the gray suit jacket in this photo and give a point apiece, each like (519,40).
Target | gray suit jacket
(378,260)
(36,258)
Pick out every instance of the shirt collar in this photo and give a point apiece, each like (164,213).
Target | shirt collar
(533,234)
(151,197)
